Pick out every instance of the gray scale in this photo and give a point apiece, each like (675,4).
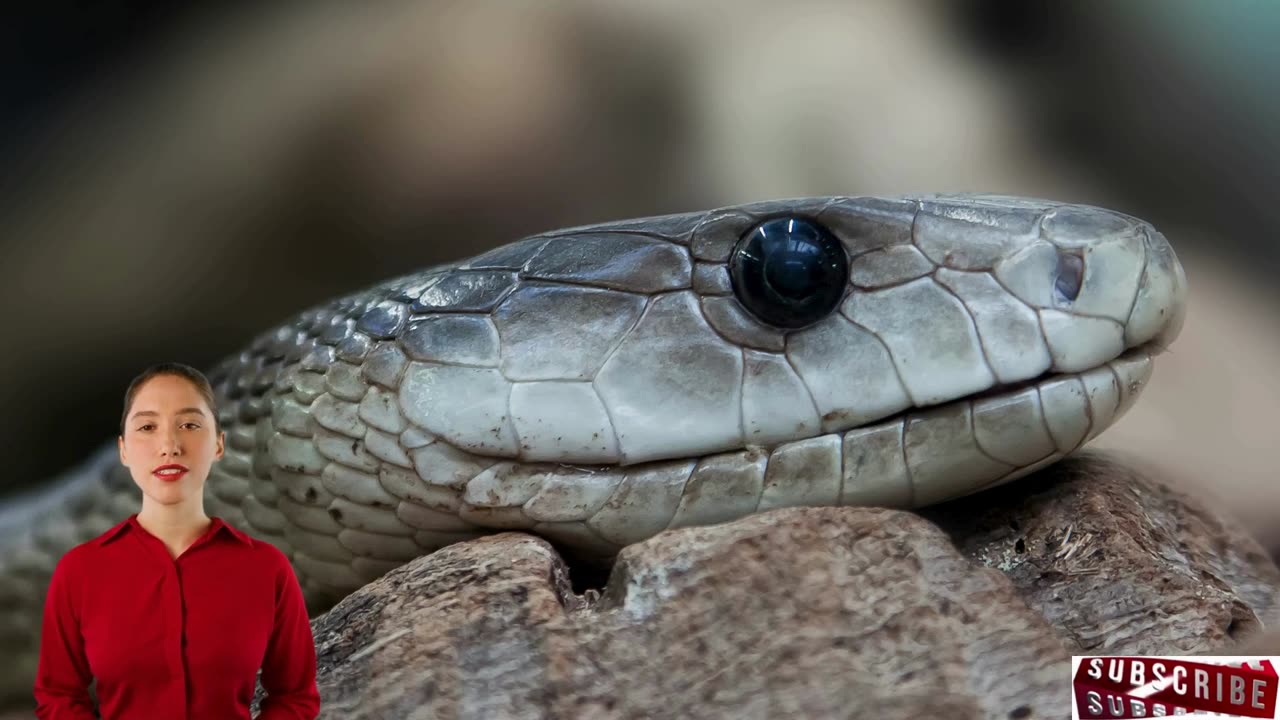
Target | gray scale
(643,264)
(466,291)
(339,329)
(550,332)
(384,321)
(513,256)
(355,348)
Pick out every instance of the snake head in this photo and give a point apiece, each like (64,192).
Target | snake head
(755,325)
(599,384)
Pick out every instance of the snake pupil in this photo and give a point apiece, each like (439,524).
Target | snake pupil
(789,272)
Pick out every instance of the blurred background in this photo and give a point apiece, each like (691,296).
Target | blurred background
(176,177)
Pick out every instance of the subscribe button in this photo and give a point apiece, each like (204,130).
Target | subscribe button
(1144,687)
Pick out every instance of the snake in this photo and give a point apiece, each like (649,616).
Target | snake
(601,384)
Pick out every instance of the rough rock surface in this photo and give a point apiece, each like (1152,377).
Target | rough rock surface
(808,612)
(1119,564)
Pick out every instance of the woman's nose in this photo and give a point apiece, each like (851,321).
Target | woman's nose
(169,444)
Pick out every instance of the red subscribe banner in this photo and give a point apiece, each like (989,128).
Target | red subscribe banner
(1144,687)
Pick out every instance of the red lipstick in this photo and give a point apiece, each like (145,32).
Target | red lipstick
(170,473)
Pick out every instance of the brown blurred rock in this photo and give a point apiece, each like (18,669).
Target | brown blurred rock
(1267,643)
(807,612)
(1120,564)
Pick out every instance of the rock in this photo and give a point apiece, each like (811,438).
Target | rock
(793,613)
(808,612)
(1120,564)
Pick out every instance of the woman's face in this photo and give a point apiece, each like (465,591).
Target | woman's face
(169,441)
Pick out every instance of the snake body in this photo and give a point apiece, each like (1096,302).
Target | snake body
(600,384)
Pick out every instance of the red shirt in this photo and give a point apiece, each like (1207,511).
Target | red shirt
(176,639)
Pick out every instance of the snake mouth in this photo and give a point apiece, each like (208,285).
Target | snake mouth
(1140,353)
(927,455)
(918,457)
(1005,389)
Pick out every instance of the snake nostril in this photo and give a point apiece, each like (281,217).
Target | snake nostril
(1069,276)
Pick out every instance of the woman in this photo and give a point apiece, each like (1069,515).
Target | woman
(173,612)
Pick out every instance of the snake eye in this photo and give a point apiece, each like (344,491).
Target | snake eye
(789,272)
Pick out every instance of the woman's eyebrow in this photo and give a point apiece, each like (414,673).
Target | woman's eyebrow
(183,411)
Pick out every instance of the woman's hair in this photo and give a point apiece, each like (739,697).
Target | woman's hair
(192,375)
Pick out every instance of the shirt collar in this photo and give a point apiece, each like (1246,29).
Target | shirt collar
(219,525)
